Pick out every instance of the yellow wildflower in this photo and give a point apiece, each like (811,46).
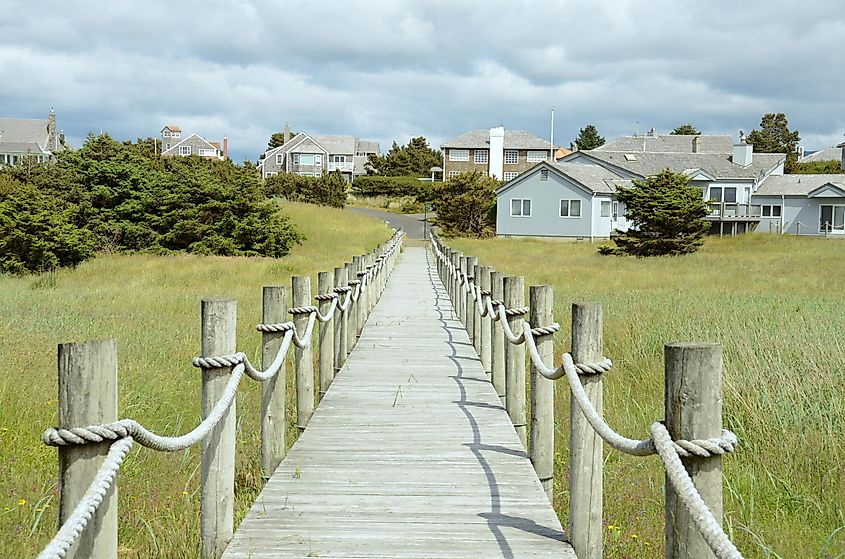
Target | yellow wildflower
(184,492)
(634,536)
(21,502)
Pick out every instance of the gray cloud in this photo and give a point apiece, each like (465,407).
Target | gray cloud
(391,70)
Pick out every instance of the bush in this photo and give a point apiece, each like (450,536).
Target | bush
(464,204)
(326,190)
(376,185)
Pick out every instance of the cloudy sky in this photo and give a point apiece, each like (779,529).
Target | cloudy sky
(392,69)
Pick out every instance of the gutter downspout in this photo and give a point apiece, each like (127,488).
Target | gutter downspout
(782,214)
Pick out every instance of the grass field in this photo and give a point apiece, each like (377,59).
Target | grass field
(777,305)
(151,304)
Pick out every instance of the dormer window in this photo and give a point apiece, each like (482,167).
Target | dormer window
(176,134)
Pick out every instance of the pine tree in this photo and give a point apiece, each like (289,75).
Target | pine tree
(666,216)
(774,136)
(685,130)
(588,138)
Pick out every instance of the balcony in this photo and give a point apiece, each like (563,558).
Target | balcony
(731,211)
(343,167)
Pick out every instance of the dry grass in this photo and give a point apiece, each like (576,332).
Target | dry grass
(776,303)
(151,304)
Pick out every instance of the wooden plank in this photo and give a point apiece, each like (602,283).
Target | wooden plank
(409,454)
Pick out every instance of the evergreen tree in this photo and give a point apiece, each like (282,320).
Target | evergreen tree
(413,160)
(685,130)
(588,138)
(774,136)
(464,204)
(278,139)
(666,217)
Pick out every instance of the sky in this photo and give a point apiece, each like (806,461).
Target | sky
(389,70)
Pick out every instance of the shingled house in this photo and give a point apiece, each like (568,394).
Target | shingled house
(35,138)
(502,154)
(173,145)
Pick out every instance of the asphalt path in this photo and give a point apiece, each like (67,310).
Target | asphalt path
(413,224)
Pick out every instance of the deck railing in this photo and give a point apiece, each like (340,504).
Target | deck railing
(733,210)
(690,440)
(93,443)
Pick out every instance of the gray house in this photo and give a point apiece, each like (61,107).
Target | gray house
(827,154)
(173,145)
(312,155)
(802,204)
(34,138)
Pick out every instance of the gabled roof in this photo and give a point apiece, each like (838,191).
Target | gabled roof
(592,178)
(22,135)
(514,139)
(336,143)
(717,165)
(366,146)
(798,185)
(669,143)
(292,143)
(171,128)
(176,146)
(827,154)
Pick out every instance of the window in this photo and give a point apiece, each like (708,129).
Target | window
(318,159)
(454,174)
(165,134)
(510,175)
(307,159)
(535,156)
(338,158)
(184,150)
(520,207)
(831,218)
(166,146)
(280,159)
(615,211)
(270,173)
(570,208)
(605,208)
(770,211)
(544,174)
(511,156)
(458,155)
(480,156)
(176,134)
(726,194)
(207,152)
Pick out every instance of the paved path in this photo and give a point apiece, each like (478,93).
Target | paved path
(409,455)
(412,224)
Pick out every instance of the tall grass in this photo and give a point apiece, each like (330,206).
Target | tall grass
(777,305)
(151,304)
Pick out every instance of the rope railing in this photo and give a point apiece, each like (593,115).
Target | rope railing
(473,303)
(120,435)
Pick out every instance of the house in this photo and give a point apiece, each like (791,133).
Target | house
(802,204)
(587,181)
(827,154)
(502,154)
(669,143)
(35,138)
(173,145)
(312,155)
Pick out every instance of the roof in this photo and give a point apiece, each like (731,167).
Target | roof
(798,185)
(827,154)
(561,153)
(175,147)
(172,128)
(669,143)
(514,139)
(593,178)
(336,143)
(23,134)
(717,165)
(366,146)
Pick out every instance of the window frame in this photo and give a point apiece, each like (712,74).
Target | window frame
(453,174)
(569,208)
(544,175)
(280,159)
(508,160)
(454,155)
(522,202)
(510,175)
(482,152)
(608,205)
(185,150)
(533,157)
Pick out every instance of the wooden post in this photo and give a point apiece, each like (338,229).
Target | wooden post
(87,396)
(469,312)
(476,317)
(585,446)
(340,322)
(497,339)
(218,448)
(274,391)
(352,313)
(456,284)
(361,306)
(326,288)
(693,411)
(515,359)
(486,323)
(303,356)
(541,300)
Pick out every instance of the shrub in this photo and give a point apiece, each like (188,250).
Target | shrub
(326,190)
(463,204)
(377,185)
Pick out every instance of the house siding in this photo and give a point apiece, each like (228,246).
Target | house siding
(796,209)
(196,144)
(520,166)
(545,220)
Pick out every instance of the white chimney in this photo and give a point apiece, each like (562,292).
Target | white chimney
(743,154)
(497,152)
(696,143)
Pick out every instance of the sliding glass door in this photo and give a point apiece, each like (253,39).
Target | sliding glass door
(832,218)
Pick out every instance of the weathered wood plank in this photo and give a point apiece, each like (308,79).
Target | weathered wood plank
(409,454)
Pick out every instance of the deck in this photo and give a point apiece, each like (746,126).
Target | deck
(409,455)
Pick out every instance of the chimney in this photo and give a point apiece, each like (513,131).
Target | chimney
(62,138)
(842,164)
(52,139)
(496,157)
(652,132)
(696,144)
(800,150)
(287,133)
(225,148)
(743,154)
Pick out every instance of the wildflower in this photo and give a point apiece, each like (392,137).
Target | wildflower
(21,502)
(612,527)
(184,493)
(634,536)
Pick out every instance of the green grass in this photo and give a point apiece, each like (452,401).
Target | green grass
(151,304)
(777,305)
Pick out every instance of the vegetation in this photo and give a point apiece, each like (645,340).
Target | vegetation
(151,304)
(412,160)
(120,197)
(666,217)
(817,167)
(685,130)
(589,138)
(784,488)
(328,189)
(465,204)
(278,139)
(376,185)
(775,136)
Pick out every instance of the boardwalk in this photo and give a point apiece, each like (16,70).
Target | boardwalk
(410,454)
